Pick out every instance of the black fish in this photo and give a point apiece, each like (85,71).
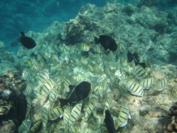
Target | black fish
(26,41)
(133,57)
(109,122)
(78,93)
(107,42)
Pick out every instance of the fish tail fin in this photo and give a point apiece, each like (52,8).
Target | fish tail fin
(96,39)
(22,33)
(118,129)
(63,102)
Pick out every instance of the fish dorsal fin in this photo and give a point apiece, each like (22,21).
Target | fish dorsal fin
(71,87)
(22,34)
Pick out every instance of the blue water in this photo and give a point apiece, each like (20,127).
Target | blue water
(25,15)
(36,15)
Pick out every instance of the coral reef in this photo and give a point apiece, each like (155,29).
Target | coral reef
(136,95)
(12,102)
(172,126)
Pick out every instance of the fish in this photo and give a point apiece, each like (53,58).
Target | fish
(109,122)
(135,88)
(107,42)
(36,126)
(123,117)
(133,57)
(76,112)
(78,93)
(147,83)
(70,117)
(89,108)
(55,114)
(25,126)
(26,41)
(162,84)
(45,115)
(139,72)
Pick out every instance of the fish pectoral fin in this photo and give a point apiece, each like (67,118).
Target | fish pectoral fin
(63,102)
(71,87)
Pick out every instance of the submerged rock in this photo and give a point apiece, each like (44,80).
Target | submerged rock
(13,101)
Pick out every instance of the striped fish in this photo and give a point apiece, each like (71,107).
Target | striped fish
(48,85)
(147,83)
(89,109)
(44,74)
(36,126)
(71,117)
(139,72)
(123,117)
(135,88)
(65,83)
(76,112)
(44,113)
(55,114)
(25,126)
(53,96)
(66,116)
(162,84)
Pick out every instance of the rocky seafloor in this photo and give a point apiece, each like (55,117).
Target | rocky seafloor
(66,54)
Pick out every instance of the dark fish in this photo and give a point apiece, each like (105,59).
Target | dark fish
(109,122)
(134,57)
(78,93)
(18,112)
(107,42)
(26,41)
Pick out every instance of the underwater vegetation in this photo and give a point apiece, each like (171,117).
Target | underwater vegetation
(99,74)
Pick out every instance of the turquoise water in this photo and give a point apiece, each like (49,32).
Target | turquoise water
(19,15)
(88,66)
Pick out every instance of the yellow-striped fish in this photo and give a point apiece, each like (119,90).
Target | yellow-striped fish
(139,72)
(123,117)
(147,83)
(135,88)
(55,114)
(88,109)
(36,126)
(71,117)
(44,113)
(76,112)
(53,96)
(162,84)
(25,126)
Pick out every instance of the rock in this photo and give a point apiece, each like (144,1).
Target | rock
(8,127)
(13,100)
